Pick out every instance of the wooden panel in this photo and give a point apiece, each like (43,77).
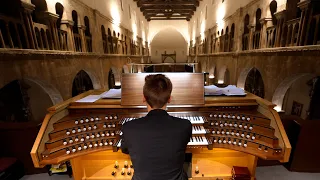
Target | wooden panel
(188,88)
(43,135)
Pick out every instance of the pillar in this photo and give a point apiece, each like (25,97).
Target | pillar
(27,19)
(52,25)
(67,26)
(250,39)
(304,21)
(82,30)
(281,19)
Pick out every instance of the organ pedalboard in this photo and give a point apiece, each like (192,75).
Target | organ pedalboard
(242,129)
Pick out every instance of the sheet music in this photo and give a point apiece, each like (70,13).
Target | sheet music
(90,98)
(112,94)
(230,90)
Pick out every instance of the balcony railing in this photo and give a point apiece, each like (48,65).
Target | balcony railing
(290,35)
(43,36)
(256,40)
(89,43)
(271,36)
(77,42)
(12,33)
(63,39)
(245,42)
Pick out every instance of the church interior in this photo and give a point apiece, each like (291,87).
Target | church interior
(56,54)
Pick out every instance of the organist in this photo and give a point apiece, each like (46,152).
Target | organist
(157,142)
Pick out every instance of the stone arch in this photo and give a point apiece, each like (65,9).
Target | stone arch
(254,83)
(114,77)
(125,69)
(244,75)
(27,99)
(212,72)
(280,92)
(223,75)
(91,82)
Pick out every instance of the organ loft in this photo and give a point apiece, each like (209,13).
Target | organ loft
(245,73)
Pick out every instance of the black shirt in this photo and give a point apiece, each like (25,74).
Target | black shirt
(157,144)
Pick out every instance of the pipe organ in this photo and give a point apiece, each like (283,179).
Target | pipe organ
(227,131)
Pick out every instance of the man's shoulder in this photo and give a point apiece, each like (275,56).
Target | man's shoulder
(132,123)
(183,122)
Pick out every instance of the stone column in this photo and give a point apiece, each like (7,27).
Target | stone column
(250,39)
(304,21)
(27,19)
(82,30)
(281,19)
(52,25)
(67,25)
(263,32)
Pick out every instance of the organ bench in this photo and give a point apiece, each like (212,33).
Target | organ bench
(227,132)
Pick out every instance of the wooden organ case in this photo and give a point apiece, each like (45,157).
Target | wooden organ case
(227,131)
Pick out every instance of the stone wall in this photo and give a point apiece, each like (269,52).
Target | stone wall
(275,65)
(58,68)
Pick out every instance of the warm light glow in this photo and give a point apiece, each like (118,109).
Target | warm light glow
(211,76)
(115,14)
(117,83)
(202,29)
(220,81)
(221,12)
(277,108)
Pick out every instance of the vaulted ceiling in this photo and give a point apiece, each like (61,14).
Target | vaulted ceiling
(168,9)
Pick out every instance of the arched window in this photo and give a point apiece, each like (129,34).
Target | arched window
(273,9)
(7,8)
(292,10)
(104,39)
(226,39)
(87,24)
(232,37)
(258,17)
(37,14)
(59,11)
(75,22)
(246,24)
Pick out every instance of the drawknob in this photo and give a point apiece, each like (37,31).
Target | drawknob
(197,170)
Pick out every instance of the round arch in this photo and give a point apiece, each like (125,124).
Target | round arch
(27,99)
(92,82)
(243,77)
(161,28)
(280,92)
(224,75)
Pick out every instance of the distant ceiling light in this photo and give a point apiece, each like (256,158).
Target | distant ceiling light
(176,14)
(160,14)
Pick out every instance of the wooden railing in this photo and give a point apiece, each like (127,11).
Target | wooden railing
(245,42)
(12,33)
(256,40)
(63,39)
(89,43)
(77,42)
(271,36)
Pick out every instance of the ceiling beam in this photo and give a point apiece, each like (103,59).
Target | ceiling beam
(173,3)
(162,11)
(193,8)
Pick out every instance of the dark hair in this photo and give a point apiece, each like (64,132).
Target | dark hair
(157,90)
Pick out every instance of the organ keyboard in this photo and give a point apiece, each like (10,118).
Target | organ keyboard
(241,129)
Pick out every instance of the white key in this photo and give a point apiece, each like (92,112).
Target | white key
(195,130)
(119,144)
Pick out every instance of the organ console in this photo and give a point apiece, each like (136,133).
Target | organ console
(227,131)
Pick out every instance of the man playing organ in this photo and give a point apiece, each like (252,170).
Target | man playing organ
(157,142)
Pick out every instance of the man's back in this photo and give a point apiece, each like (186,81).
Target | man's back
(157,144)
